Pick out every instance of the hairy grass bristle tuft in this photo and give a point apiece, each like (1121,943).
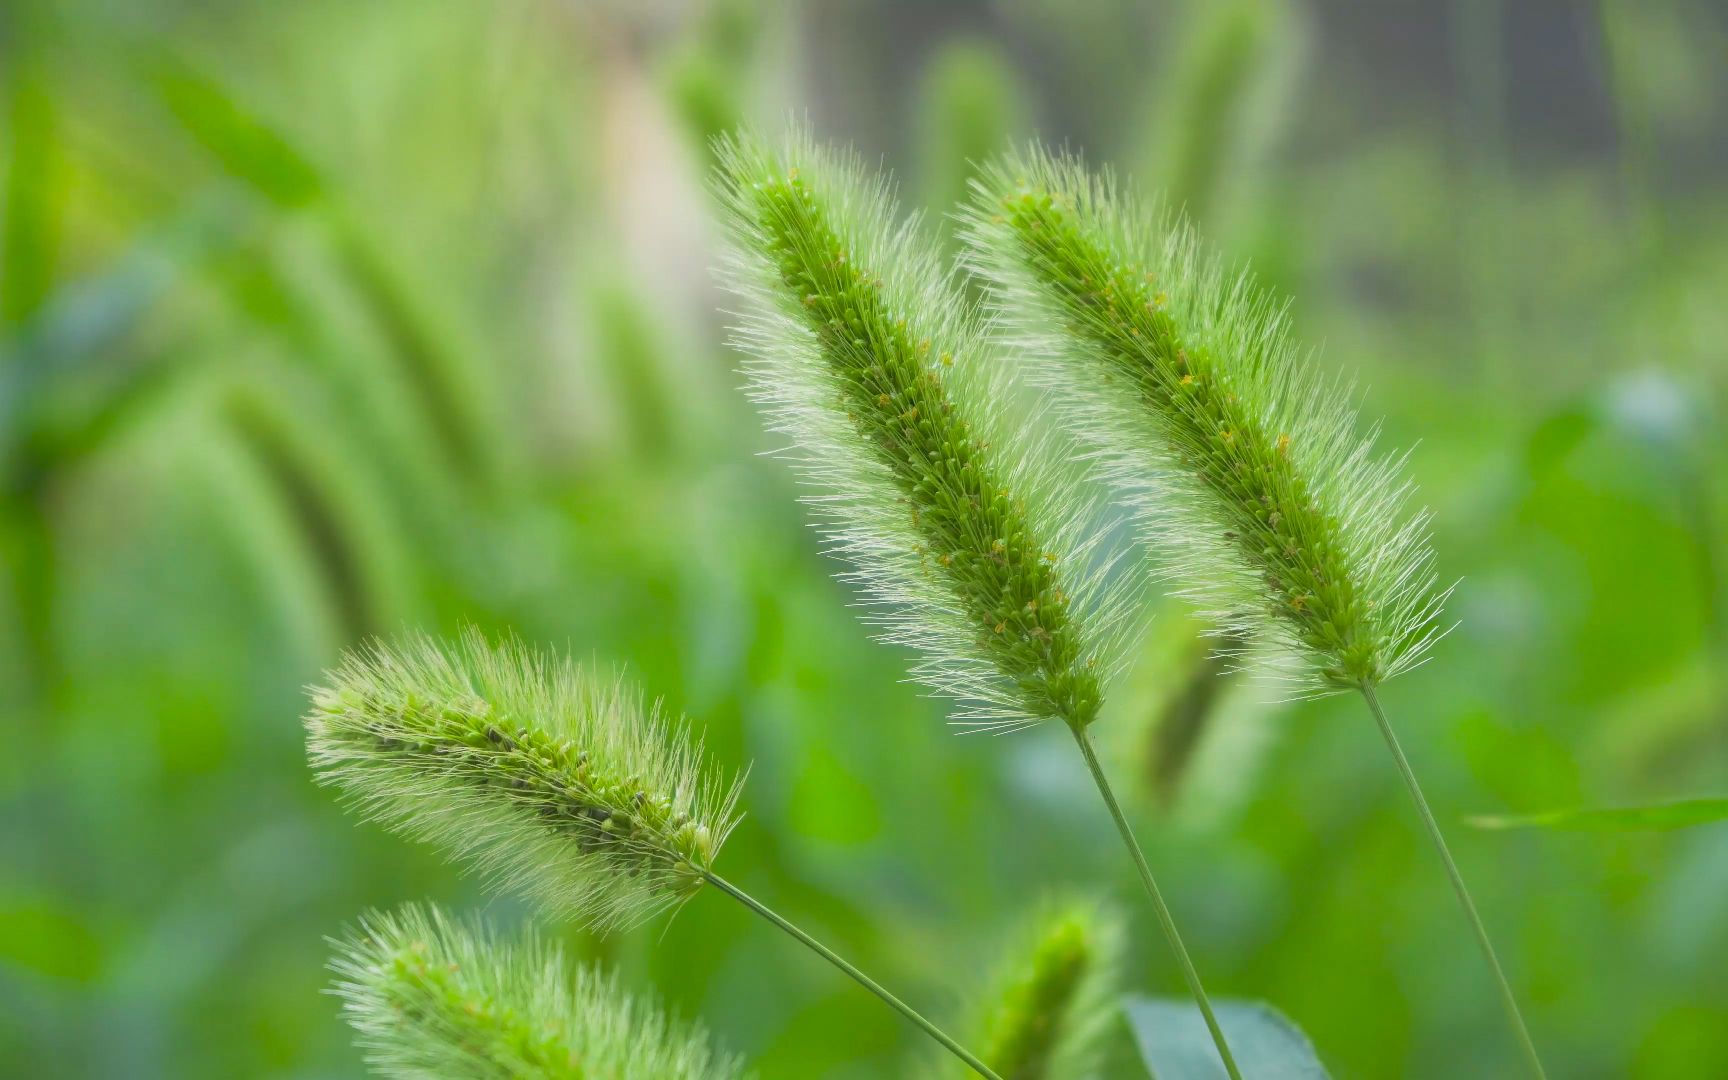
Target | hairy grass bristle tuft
(1275,515)
(866,354)
(435,997)
(544,777)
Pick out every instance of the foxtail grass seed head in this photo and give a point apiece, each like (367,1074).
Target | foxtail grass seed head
(546,778)
(1272,512)
(434,998)
(863,352)
(1044,1014)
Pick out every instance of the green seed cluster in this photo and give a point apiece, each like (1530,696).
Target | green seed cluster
(433,997)
(1273,519)
(468,742)
(531,770)
(1276,492)
(973,536)
(431,992)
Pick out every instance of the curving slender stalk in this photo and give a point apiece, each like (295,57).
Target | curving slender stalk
(1507,998)
(862,979)
(1165,919)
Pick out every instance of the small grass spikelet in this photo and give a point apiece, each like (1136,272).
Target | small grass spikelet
(865,353)
(1273,513)
(544,777)
(435,998)
(1045,1011)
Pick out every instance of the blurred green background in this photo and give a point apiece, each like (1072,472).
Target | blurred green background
(326,319)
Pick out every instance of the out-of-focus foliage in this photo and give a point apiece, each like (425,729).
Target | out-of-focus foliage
(326,319)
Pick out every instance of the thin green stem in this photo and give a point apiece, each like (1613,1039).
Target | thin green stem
(863,980)
(1165,919)
(1458,885)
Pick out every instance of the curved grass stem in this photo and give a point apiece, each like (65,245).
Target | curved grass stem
(1165,919)
(1458,886)
(862,979)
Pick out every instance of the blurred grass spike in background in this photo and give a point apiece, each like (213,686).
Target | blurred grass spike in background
(1044,1013)
(455,395)
(1215,112)
(969,104)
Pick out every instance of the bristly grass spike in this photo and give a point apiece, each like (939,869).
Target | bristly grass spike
(972,550)
(549,781)
(969,548)
(545,777)
(1263,502)
(431,996)
(1258,491)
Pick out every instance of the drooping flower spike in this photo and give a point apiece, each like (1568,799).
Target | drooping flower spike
(549,781)
(546,778)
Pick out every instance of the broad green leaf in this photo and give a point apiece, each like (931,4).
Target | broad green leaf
(1175,1044)
(1661,816)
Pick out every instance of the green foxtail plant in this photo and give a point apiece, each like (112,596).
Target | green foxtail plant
(436,998)
(1044,1013)
(548,780)
(1259,494)
(863,351)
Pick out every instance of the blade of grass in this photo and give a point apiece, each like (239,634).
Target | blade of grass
(1658,817)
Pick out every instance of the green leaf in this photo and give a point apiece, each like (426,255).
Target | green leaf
(1658,817)
(1175,1044)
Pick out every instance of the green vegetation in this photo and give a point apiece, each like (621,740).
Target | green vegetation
(325,321)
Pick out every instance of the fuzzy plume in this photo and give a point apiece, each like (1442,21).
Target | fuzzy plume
(543,777)
(434,998)
(1043,1014)
(865,353)
(1271,511)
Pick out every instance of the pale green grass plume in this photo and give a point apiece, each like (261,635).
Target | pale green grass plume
(864,351)
(434,998)
(866,354)
(1047,1008)
(548,780)
(1265,501)
(544,777)
(1271,510)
